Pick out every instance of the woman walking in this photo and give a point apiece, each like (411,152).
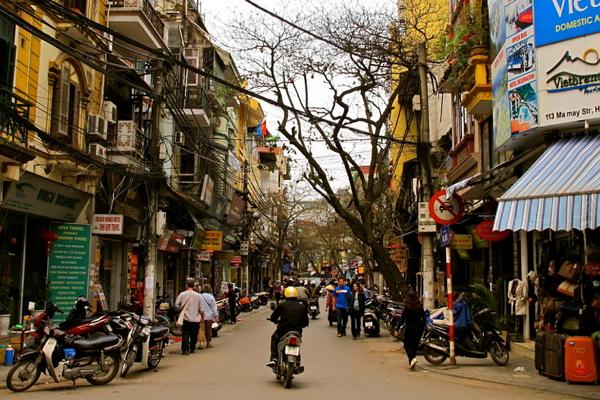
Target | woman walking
(211,314)
(330,305)
(413,317)
(357,309)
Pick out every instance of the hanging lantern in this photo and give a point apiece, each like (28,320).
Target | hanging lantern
(48,237)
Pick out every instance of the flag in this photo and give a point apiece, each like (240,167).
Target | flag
(261,130)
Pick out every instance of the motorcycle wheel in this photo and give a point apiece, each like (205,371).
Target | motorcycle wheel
(128,362)
(22,376)
(163,321)
(154,357)
(433,357)
(499,352)
(289,373)
(111,362)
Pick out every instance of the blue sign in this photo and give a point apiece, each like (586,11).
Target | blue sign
(445,236)
(560,20)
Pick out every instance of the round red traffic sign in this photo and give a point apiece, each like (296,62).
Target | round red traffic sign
(446,211)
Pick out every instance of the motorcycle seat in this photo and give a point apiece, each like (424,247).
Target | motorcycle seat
(158,331)
(95,343)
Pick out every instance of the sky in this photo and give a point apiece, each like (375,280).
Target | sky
(219,13)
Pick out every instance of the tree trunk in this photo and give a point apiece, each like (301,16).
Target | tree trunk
(396,283)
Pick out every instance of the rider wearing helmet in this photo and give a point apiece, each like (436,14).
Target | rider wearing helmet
(289,315)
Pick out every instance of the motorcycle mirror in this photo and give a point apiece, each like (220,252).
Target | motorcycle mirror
(273,306)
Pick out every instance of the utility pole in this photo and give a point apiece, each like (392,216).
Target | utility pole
(424,157)
(153,155)
(247,220)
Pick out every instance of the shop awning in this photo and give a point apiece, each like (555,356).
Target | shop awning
(561,191)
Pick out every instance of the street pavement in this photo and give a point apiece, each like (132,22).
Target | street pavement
(367,368)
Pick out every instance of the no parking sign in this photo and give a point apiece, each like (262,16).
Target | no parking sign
(446,211)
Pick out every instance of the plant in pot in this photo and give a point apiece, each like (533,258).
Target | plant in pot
(7,305)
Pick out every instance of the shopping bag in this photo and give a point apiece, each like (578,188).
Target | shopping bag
(568,288)
(570,271)
(179,321)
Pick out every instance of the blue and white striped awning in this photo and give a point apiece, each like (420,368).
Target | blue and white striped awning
(561,191)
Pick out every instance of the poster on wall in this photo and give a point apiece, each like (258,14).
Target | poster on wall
(500,103)
(496,9)
(518,16)
(68,265)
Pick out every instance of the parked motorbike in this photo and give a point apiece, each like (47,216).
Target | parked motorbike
(313,307)
(263,297)
(65,356)
(255,301)
(371,318)
(166,315)
(145,344)
(476,340)
(288,358)
(223,309)
(244,303)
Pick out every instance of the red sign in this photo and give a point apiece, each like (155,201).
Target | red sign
(236,261)
(446,211)
(486,231)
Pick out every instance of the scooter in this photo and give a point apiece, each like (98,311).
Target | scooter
(476,340)
(65,356)
(371,319)
(288,358)
(263,297)
(313,307)
(145,344)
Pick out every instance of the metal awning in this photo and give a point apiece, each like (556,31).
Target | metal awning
(561,191)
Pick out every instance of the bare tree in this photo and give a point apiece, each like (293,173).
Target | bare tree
(355,52)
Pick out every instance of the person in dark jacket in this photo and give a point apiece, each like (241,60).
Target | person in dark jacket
(289,315)
(357,309)
(413,317)
(232,302)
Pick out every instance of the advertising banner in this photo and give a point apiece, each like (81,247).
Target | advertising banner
(213,241)
(561,20)
(68,265)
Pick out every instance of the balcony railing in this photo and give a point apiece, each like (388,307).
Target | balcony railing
(147,9)
(14,115)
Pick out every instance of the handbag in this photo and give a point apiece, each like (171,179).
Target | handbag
(179,321)
(572,325)
(552,305)
(592,269)
(567,288)
(570,271)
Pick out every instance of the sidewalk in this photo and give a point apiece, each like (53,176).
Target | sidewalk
(485,371)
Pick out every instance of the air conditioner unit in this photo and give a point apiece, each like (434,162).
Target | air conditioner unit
(110,112)
(179,138)
(108,40)
(97,150)
(96,126)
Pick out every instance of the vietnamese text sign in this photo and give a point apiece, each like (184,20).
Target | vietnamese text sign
(107,224)
(213,241)
(462,242)
(68,265)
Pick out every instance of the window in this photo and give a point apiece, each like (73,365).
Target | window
(191,57)
(65,106)
(7,52)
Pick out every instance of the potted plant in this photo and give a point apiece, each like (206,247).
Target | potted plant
(7,306)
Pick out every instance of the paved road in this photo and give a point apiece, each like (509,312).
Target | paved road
(234,368)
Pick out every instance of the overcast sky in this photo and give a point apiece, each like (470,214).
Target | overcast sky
(218,14)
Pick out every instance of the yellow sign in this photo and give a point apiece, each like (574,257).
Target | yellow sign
(213,241)
(462,242)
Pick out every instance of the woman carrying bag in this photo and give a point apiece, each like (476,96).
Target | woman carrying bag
(413,318)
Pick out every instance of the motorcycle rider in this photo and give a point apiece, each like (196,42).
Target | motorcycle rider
(289,315)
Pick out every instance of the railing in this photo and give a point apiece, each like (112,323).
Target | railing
(196,98)
(14,115)
(147,9)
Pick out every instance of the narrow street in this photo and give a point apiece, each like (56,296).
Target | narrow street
(234,368)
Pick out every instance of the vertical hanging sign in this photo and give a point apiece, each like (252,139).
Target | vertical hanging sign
(68,265)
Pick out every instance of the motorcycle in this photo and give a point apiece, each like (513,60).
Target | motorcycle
(65,356)
(244,303)
(288,358)
(255,301)
(145,344)
(166,314)
(371,324)
(313,307)
(263,297)
(477,339)
(223,309)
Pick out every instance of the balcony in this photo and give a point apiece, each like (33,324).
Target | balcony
(137,19)
(268,155)
(195,106)
(463,159)
(14,119)
(478,100)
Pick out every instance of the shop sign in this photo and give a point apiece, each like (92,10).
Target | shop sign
(213,241)
(203,256)
(486,231)
(461,242)
(107,224)
(198,239)
(560,20)
(133,268)
(208,186)
(35,195)
(170,242)
(236,210)
(446,211)
(68,265)
(236,261)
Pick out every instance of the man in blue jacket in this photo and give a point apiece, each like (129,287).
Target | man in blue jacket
(342,295)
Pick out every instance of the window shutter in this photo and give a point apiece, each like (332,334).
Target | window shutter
(191,57)
(60,103)
(76,131)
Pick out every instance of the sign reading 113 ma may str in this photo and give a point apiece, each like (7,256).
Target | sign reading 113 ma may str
(68,265)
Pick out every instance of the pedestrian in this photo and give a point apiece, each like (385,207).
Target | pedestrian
(357,309)
(191,303)
(342,295)
(210,312)
(413,317)
(232,302)
(277,291)
(330,305)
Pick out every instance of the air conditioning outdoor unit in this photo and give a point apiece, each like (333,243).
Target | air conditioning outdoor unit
(110,112)
(96,126)
(97,150)
(179,138)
